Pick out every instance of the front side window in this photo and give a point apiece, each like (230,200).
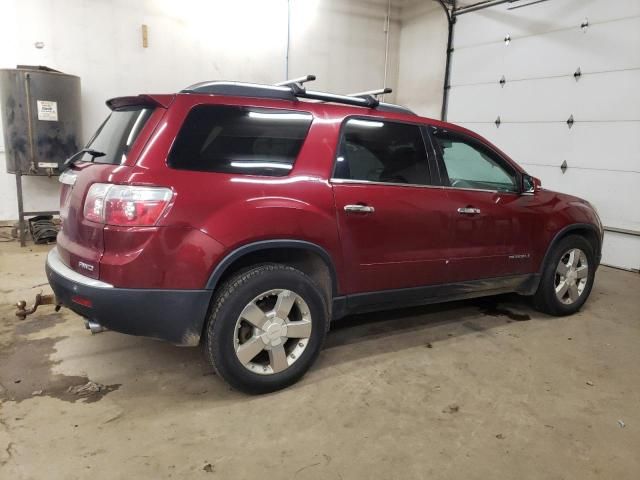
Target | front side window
(386,152)
(246,140)
(469,165)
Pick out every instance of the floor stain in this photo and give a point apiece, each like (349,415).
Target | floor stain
(26,368)
(473,326)
(38,323)
(492,308)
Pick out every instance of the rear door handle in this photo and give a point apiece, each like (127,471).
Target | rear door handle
(359,209)
(468,210)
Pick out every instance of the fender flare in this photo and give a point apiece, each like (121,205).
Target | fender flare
(243,250)
(566,230)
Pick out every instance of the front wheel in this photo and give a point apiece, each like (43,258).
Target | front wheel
(266,328)
(567,277)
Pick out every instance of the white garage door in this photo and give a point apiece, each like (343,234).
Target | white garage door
(547,43)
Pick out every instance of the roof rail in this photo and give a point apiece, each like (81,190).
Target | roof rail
(379,91)
(292,90)
(298,81)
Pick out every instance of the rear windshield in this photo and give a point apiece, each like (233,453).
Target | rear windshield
(246,140)
(117,134)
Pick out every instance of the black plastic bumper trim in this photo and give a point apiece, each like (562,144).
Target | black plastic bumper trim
(176,316)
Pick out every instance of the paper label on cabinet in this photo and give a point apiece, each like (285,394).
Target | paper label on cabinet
(47,111)
(47,165)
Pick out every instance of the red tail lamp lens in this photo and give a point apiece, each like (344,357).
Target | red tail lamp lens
(126,205)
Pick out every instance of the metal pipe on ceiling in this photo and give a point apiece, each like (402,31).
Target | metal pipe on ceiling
(479,6)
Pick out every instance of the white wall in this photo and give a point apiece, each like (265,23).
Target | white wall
(422,57)
(547,46)
(342,42)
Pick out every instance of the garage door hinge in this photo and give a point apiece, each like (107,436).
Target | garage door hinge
(577,74)
(570,121)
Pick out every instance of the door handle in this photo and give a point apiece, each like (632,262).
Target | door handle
(359,209)
(468,210)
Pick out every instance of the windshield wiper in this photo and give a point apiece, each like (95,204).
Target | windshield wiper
(76,156)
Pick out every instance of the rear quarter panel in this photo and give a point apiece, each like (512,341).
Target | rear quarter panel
(234,210)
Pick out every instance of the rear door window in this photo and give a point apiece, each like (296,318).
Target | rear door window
(116,135)
(387,152)
(245,140)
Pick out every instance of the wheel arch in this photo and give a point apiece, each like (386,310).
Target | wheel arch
(309,257)
(587,230)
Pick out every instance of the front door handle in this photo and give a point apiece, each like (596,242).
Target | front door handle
(469,211)
(359,209)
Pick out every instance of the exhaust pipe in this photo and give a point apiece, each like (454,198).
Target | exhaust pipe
(95,327)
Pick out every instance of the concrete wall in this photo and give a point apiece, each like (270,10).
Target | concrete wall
(342,42)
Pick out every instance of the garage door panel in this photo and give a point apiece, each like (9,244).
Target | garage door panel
(529,57)
(607,96)
(610,46)
(558,98)
(599,145)
(494,23)
(621,249)
(614,195)
(478,64)
(479,103)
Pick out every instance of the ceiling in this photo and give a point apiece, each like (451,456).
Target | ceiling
(411,3)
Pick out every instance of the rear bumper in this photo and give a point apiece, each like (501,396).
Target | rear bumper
(176,316)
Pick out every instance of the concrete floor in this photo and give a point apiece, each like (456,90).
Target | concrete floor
(469,390)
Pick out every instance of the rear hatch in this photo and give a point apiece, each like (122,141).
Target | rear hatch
(107,158)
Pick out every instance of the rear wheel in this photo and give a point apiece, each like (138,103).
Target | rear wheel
(266,329)
(567,277)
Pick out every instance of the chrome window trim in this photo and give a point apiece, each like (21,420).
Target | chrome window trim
(373,182)
(57,265)
(440,187)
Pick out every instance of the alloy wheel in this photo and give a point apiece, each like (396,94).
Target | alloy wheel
(272,331)
(572,274)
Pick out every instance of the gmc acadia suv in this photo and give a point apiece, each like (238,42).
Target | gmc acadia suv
(246,217)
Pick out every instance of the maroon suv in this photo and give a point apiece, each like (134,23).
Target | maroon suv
(246,217)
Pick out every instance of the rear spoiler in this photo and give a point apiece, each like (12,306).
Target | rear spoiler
(162,101)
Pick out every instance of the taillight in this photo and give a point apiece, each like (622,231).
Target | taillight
(126,205)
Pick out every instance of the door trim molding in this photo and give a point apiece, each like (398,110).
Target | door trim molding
(525,284)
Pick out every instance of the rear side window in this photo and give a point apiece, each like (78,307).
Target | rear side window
(388,152)
(246,140)
(117,134)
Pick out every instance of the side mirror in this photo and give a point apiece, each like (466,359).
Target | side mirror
(530,184)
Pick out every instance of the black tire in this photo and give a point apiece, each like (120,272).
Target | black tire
(231,299)
(545,298)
